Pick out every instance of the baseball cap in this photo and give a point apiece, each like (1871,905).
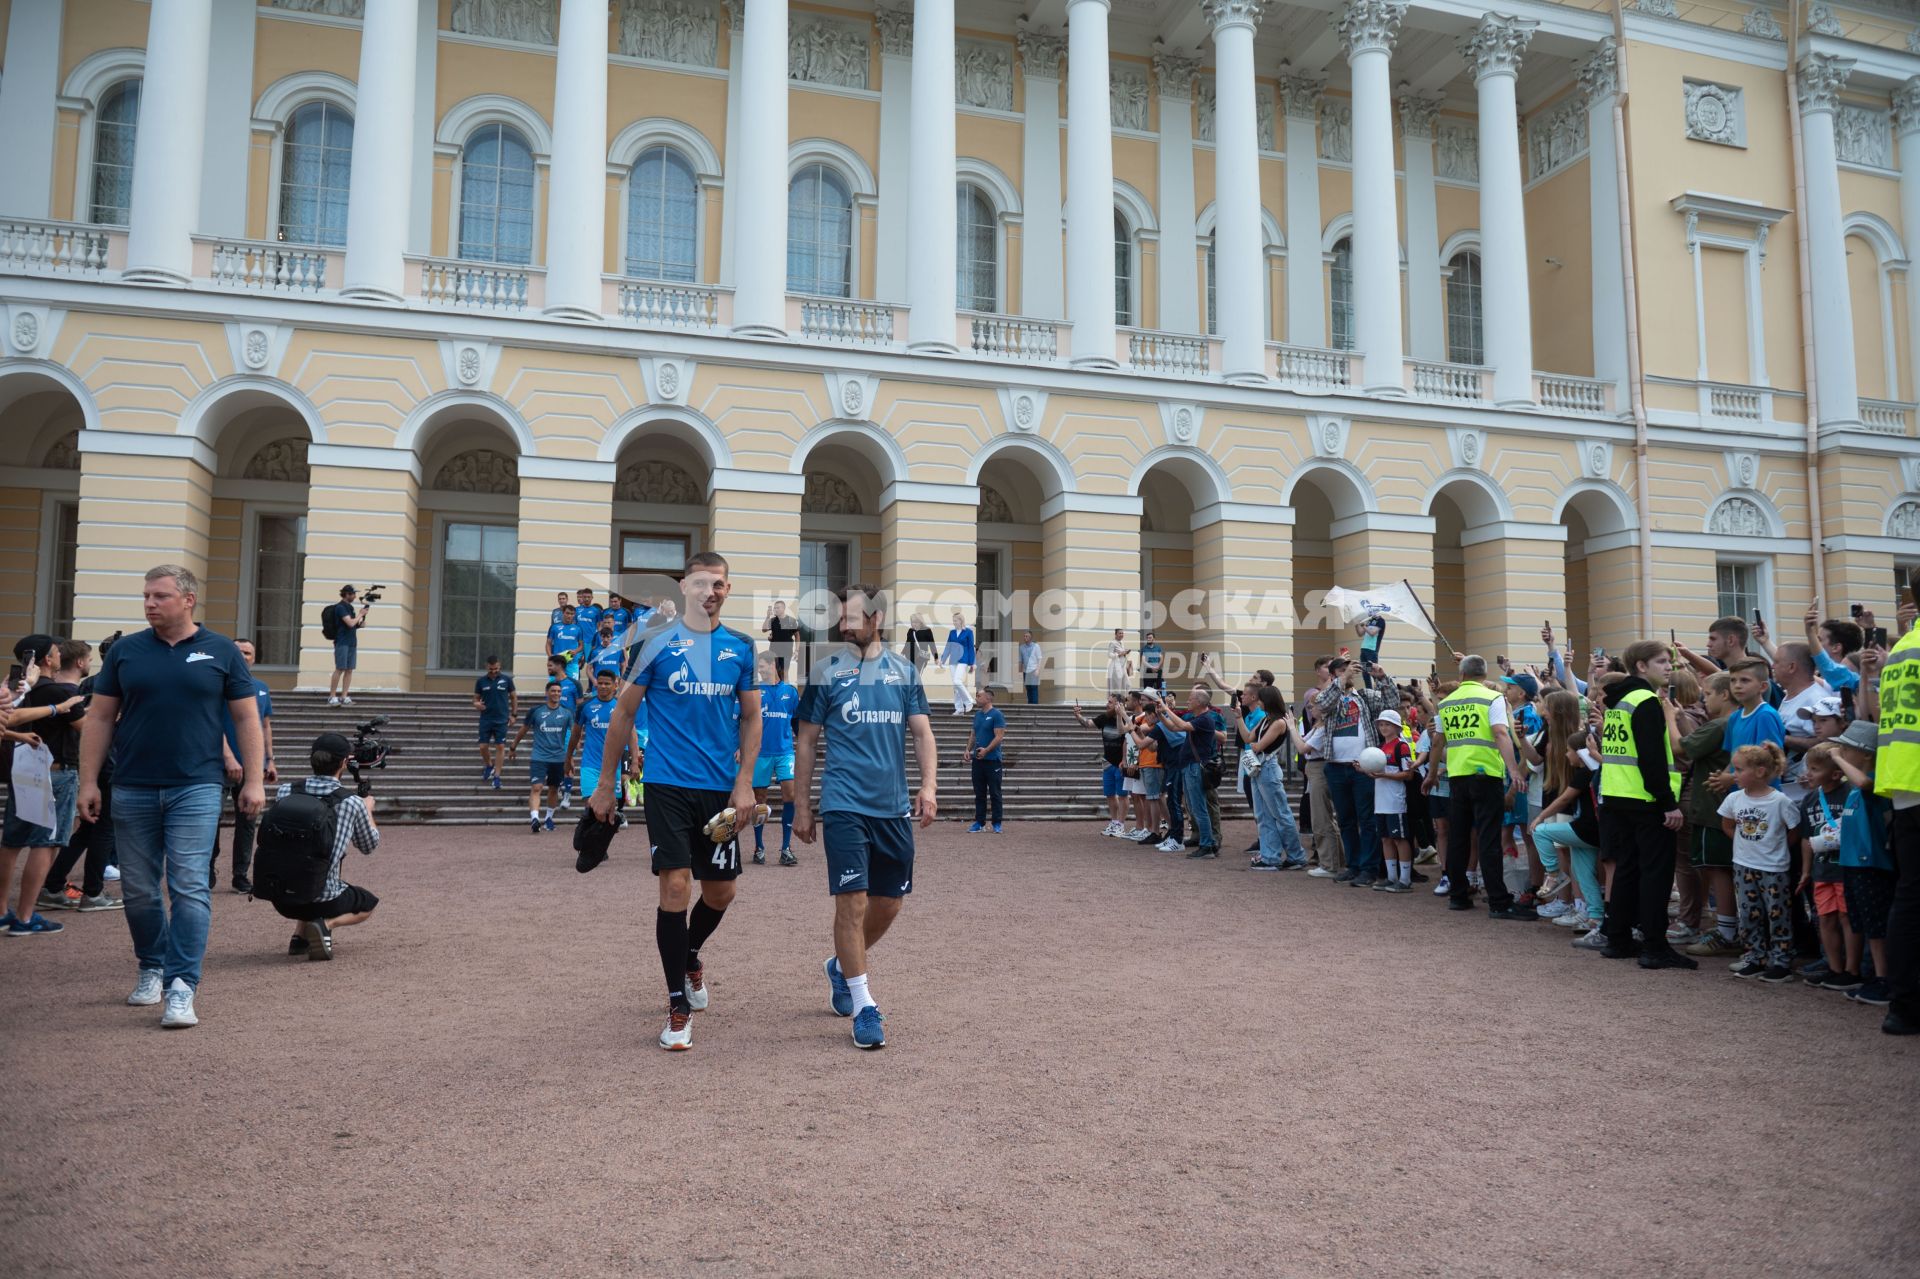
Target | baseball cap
(1525,683)
(348,589)
(1827,708)
(38,645)
(1861,735)
(332,744)
(1339,662)
(1389,717)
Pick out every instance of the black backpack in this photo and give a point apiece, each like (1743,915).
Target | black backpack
(330,622)
(293,852)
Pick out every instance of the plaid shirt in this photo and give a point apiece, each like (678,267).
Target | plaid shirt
(351,826)
(1373,700)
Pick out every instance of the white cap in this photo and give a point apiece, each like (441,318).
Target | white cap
(1388,717)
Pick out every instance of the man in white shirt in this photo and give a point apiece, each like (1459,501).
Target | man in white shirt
(1032,658)
(1793,671)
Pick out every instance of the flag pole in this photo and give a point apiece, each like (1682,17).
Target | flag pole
(1444,642)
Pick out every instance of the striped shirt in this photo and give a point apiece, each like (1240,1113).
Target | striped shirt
(351,826)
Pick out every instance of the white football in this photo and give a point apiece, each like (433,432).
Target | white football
(1372,760)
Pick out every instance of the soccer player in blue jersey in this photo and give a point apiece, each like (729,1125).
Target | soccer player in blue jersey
(696,677)
(775,765)
(587,613)
(590,725)
(549,723)
(566,639)
(866,700)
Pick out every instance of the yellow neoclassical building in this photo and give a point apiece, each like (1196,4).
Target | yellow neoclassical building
(1569,312)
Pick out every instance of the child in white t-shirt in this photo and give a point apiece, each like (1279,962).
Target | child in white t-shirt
(1390,805)
(1758,817)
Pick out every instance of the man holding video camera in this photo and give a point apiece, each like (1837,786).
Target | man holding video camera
(341,624)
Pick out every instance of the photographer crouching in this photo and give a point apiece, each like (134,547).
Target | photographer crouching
(303,841)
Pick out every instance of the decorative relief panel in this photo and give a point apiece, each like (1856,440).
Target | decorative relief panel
(983,74)
(1658,8)
(1557,138)
(993,508)
(824,51)
(527,21)
(829,495)
(65,453)
(1863,135)
(1127,87)
(1336,131)
(283,460)
(1715,113)
(1904,521)
(327,8)
(1822,22)
(1739,517)
(1761,23)
(479,471)
(1459,151)
(1265,111)
(658,483)
(683,31)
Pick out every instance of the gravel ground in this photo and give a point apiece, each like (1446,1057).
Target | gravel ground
(1101,1061)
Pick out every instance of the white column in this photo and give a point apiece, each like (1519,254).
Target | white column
(172,125)
(426,74)
(1906,124)
(381,195)
(1600,77)
(931,281)
(1368,29)
(1426,312)
(760,227)
(1041,269)
(896,152)
(577,201)
(736,11)
(1240,268)
(27,115)
(1306,280)
(1089,187)
(228,140)
(1821,78)
(1179,282)
(1494,51)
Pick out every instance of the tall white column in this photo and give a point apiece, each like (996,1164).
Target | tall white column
(1306,281)
(1240,269)
(1906,125)
(1821,78)
(760,225)
(1494,51)
(166,167)
(577,202)
(1179,281)
(381,194)
(1368,29)
(931,282)
(228,140)
(896,153)
(1600,77)
(425,117)
(27,114)
(1426,312)
(1089,187)
(736,11)
(1041,267)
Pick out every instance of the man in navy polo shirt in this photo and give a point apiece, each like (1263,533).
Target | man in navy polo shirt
(158,702)
(497,701)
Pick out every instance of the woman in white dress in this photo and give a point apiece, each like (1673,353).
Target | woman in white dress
(1119,663)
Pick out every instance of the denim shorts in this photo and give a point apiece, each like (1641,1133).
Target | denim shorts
(66,792)
(1152,782)
(346,654)
(1112,782)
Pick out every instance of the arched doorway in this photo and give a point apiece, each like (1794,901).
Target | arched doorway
(659,514)
(1602,570)
(466,571)
(257,543)
(841,538)
(1330,506)
(1468,602)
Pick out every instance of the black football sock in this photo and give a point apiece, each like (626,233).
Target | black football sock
(700,926)
(670,931)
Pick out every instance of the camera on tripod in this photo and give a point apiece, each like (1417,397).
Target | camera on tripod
(370,751)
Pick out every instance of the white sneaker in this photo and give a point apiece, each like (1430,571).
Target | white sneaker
(1111,828)
(178,1014)
(111,875)
(1319,872)
(1444,887)
(1475,880)
(345,700)
(1555,910)
(1168,846)
(696,989)
(332,700)
(678,1036)
(1574,919)
(146,991)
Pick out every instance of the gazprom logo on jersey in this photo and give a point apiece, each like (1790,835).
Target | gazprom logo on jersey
(683,683)
(852,714)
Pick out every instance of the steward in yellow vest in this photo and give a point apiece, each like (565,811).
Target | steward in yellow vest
(1640,815)
(1475,747)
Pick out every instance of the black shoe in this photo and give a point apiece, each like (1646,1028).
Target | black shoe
(297,946)
(759,857)
(1365,881)
(1199,853)
(1898,1023)
(1191,843)
(788,859)
(1515,911)
(1839,981)
(1346,877)
(1148,837)
(1668,959)
(1620,950)
(1254,847)
(1454,903)
(242,886)
(1418,878)
(1777,974)
(1750,969)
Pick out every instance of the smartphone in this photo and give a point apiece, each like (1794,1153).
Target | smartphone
(15,674)
(1757,619)
(1876,637)
(1672,637)
(1854,610)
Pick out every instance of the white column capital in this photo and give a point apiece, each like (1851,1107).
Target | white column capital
(1417,113)
(1496,46)
(1906,108)
(1599,72)
(1821,77)
(1300,93)
(1102,5)
(1174,73)
(1040,51)
(1235,13)
(896,30)
(736,14)
(1370,26)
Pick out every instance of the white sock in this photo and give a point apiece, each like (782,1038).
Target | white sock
(534,813)
(1406,872)
(857,987)
(1726,925)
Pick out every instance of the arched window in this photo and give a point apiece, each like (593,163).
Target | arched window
(314,166)
(978,254)
(1465,344)
(663,204)
(496,197)
(820,233)
(1122,270)
(1340,292)
(114,124)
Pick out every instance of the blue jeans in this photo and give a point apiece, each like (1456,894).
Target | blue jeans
(165,833)
(1196,797)
(1352,793)
(1585,859)
(1279,834)
(1033,694)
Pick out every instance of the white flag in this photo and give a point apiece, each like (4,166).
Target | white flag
(1395,603)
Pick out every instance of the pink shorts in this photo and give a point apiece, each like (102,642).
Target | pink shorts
(1830,899)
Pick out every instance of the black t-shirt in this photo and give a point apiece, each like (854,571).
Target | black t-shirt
(173,699)
(782,629)
(346,634)
(60,732)
(1113,738)
(1584,820)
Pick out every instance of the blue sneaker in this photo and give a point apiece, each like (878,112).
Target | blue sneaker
(8,920)
(996,828)
(38,926)
(975,829)
(866,1029)
(495,779)
(486,772)
(842,997)
(549,821)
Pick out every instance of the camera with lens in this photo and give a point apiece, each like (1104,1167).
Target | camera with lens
(370,751)
(372,595)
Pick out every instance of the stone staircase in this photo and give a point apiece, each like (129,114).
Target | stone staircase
(1052,764)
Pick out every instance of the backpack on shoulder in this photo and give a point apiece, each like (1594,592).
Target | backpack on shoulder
(293,852)
(330,623)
